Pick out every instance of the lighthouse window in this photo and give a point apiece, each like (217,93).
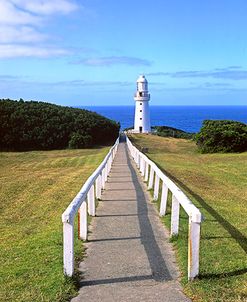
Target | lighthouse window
(140,110)
(140,103)
(140,118)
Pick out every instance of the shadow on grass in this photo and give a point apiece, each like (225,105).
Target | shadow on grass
(223,275)
(234,232)
(215,237)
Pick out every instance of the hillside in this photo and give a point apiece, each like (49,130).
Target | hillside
(43,126)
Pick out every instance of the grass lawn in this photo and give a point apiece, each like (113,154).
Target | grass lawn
(36,187)
(217,184)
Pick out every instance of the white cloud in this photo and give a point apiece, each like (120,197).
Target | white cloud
(13,51)
(23,24)
(115,60)
(9,14)
(227,73)
(22,34)
(82,83)
(47,7)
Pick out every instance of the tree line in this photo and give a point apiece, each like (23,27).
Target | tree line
(43,126)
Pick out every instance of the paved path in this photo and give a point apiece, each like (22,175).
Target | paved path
(128,254)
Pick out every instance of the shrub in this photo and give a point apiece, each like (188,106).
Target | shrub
(78,141)
(222,136)
(166,131)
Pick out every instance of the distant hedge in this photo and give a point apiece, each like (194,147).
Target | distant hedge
(44,126)
(222,136)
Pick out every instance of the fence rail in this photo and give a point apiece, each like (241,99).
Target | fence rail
(154,178)
(83,204)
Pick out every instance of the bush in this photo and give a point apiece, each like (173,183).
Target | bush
(166,131)
(43,126)
(78,141)
(222,136)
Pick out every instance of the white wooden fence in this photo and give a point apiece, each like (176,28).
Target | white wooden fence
(154,176)
(84,203)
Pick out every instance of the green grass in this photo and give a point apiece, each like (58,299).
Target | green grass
(217,185)
(36,187)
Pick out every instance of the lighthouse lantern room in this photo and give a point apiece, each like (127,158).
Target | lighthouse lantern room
(142,115)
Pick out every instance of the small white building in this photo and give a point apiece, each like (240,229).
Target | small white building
(142,114)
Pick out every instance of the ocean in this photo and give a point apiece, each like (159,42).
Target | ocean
(187,118)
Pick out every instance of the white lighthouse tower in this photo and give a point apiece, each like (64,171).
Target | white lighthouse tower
(142,115)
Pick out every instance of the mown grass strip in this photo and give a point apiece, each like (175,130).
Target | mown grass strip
(36,187)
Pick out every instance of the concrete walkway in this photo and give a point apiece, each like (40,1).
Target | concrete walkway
(128,254)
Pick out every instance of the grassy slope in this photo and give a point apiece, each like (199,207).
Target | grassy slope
(36,187)
(217,185)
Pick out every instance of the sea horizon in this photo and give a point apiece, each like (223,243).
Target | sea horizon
(186,117)
(80,106)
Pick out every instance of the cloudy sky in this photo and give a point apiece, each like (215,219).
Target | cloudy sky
(90,52)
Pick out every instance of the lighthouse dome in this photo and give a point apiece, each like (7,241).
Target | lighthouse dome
(141,79)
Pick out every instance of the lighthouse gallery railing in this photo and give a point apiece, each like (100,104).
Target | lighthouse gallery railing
(83,204)
(153,175)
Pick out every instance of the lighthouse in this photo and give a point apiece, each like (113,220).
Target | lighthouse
(142,115)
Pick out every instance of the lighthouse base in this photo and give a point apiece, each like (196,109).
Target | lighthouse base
(140,130)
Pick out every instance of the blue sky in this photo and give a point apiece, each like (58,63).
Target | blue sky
(90,52)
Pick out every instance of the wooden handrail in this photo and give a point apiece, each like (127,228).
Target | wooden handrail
(84,202)
(153,176)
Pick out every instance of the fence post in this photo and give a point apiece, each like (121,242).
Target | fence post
(143,167)
(151,178)
(174,216)
(107,167)
(105,172)
(139,160)
(109,164)
(135,156)
(111,159)
(83,221)
(163,202)
(156,187)
(130,150)
(103,179)
(140,163)
(146,172)
(91,201)
(98,186)
(68,248)
(194,247)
